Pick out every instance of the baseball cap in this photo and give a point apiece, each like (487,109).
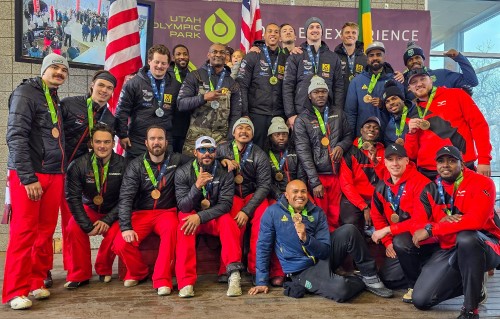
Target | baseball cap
(204,141)
(371,119)
(395,149)
(415,72)
(375,46)
(450,151)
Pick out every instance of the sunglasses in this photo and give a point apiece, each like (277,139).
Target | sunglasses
(203,150)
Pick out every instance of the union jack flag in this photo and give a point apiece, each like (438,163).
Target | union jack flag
(251,23)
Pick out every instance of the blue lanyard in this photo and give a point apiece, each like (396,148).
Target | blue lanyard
(395,203)
(246,154)
(315,62)
(158,95)
(452,198)
(350,59)
(282,160)
(221,78)
(268,59)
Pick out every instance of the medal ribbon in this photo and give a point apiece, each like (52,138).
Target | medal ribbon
(314,61)
(323,120)
(197,172)
(245,155)
(373,81)
(50,103)
(395,203)
(279,166)
(292,211)
(456,185)
(158,95)
(399,131)
(350,59)
(90,114)
(221,79)
(429,102)
(177,74)
(360,142)
(268,60)
(151,175)
(97,177)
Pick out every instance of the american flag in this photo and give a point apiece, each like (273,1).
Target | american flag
(123,53)
(251,23)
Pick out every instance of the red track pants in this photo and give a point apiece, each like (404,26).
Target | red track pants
(65,217)
(330,203)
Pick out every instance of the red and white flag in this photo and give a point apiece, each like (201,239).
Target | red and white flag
(251,23)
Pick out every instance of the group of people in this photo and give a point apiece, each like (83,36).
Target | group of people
(304,149)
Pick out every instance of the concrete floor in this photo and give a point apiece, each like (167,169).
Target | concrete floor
(99,300)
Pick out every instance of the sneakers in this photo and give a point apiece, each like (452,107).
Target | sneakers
(41,293)
(48,282)
(407,297)
(164,291)
(234,288)
(186,292)
(484,292)
(375,286)
(20,303)
(464,314)
(105,278)
(75,284)
(130,283)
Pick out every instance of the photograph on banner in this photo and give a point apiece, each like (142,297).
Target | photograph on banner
(75,29)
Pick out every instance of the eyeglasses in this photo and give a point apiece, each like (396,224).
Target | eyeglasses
(203,150)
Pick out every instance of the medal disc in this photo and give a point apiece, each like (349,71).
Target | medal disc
(425,125)
(98,200)
(297,218)
(400,141)
(238,179)
(395,218)
(224,91)
(279,176)
(325,141)
(214,104)
(159,112)
(205,203)
(155,194)
(55,132)
(367,145)
(367,98)
(273,80)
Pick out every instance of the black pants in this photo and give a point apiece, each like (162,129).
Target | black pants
(320,279)
(261,124)
(350,214)
(392,274)
(410,257)
(452,272)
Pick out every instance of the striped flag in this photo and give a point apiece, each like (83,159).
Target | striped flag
(251,23)
(365,22)
(123,52)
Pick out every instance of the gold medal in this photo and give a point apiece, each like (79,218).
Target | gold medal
(279,176)
(367,98)
(205,204)
(98,200)
(367,145)
(325,141)
(155,194)
(273,80)
(224,91)
(400,141)
(55,132)
(395,218)
(238,179)
(297,218)
(425,125)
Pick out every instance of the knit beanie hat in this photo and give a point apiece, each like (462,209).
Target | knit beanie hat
(243,120)
(314,20)
(391,89)
(411,50)
(53,59)
(277,126)
(317,82)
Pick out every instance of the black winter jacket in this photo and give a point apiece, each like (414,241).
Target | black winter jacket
(292,169)
(180,122)
(80,189)
(220,193)
(360,61)
(312,154)
(32,148)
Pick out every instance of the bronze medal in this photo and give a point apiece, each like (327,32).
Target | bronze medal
(155,194)
(297,218)
(273,80)
(98,200)
(367,145)
(400,141)
(278,176)
(367,98)
(325,141)
(238,179)
(425,125)
(395,218)
(205,204)
(55,132)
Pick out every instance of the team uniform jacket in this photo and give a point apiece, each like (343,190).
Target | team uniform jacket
(180,123)
(474,200)
(135,192)
(390,136)
(455,119)
(315,157)
(410,210)
(356,109)
(359,62)
(256,174)
(258,95)
(292,170)
(298,73)
(138,102)
(81,188)
(220,193)
(32,148)
(359,175)
(76,124)
(277,232)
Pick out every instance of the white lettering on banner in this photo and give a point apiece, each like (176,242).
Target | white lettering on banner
(181,27)
(378,35)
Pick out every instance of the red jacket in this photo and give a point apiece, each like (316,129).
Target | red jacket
(359,175)
(475,199)
(455,119)
(410,204)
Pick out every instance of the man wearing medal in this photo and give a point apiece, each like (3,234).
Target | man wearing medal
(360,170)
(322,135)
(260,79)
(315,59)
(397,212)
(364,95)
(213,98)
(149,98)
(252,181)
(204,192)
(287,38)
(147,204)
(92,191)
(399,110)
(312,253)
(445,116)
(461,203)
(36,167)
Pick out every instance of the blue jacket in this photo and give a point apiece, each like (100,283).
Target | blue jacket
(277,231)
(390,130)
(357,111)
